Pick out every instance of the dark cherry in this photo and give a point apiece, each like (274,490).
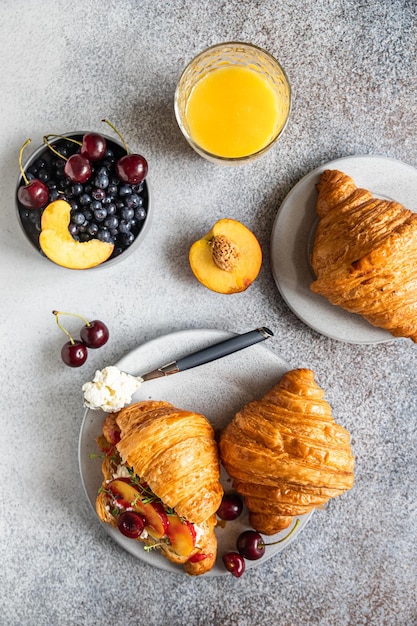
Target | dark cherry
(132,168)
(34,195)
(231,507)
(93,146)
(234,563)
(94,334)
(251,545)
(78,168)
(74,353)
(130,524)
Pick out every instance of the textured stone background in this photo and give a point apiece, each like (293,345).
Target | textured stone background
(65,66)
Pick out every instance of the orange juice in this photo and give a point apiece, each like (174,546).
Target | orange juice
(234,112)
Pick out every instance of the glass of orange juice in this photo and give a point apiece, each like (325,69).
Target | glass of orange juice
(232,102)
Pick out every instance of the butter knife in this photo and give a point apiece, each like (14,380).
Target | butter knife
(211,353)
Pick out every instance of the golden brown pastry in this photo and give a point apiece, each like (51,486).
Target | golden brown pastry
(162,464)
(365,255)
(286,454)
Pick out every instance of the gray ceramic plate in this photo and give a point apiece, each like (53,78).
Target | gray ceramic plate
(291,243)
(217,390)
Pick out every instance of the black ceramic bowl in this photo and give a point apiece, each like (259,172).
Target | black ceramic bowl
(43,158)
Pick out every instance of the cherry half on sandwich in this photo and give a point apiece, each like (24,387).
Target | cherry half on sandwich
(162,481)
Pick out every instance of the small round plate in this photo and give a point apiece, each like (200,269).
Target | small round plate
(217,390)
(291,242)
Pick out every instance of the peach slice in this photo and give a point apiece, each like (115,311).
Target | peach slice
(228,258)
(128,496)
(181,535)
(124,493)
(60,247)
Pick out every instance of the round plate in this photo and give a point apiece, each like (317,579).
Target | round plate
(291,243)
(217,390)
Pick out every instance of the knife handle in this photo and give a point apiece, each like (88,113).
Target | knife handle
(223,348)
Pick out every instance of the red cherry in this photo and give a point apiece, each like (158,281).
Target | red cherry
(34,194)
(132,168)
(93,147)
(251,545)
(78,168)
(130,524)
(94,334)
(74,353)
(231,507)
(234,563)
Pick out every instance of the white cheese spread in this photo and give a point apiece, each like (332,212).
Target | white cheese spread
(110,390)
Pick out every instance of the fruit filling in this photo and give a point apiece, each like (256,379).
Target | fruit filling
(140,514)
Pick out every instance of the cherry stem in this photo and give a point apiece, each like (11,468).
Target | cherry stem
(284,538)
(118,134)
(58,313)
(25,178)
(46,141)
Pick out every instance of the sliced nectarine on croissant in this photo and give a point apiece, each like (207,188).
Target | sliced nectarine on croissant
(228,258)
(60,247)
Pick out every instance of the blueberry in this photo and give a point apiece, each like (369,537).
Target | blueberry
(140,214)
(126,213)
(73,229)
(98,194)
(92,229)
(85,199)
(40,163)
(102,181)
(53,195)
(134,201)
(125,190)
(88,214)
(78,218)
(111,222)
(77,189)
(112,190)
(111,208)
(100,214)
(127,238)
(96,205)
(124,226)
(104,235)
(44,175)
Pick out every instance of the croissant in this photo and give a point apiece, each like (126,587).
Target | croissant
(286,454)
(365,255)
(169,458)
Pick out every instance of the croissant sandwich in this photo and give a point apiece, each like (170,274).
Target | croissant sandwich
(286,454)
(365,255)
(161,481)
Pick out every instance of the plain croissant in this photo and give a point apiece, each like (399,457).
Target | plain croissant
(286,454)
(365,255)
(171,455)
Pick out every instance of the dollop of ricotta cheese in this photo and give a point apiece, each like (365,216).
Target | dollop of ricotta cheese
(110,390)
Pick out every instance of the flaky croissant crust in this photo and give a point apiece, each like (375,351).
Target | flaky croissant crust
(286,454)
(365,255)
(175,452)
